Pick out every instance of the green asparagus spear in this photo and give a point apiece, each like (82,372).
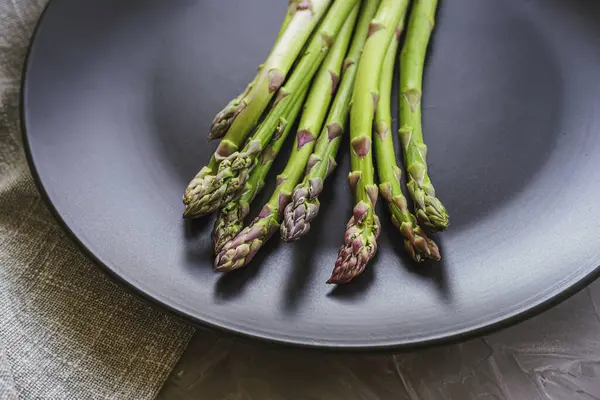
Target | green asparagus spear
(225,117)
(199,198)
(240,251)
(209,191)
(231,218)
(305,202)
(416,242)
(362,231)
(429,210)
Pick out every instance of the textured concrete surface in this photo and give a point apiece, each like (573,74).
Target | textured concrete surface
(555,356)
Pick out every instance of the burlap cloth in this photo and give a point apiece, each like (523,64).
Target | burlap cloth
(66,330)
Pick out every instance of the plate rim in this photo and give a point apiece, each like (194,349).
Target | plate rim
(545,303)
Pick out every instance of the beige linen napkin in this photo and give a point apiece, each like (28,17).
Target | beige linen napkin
(66,330)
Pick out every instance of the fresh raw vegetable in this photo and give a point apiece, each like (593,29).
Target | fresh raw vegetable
(199,198)
(305,202)
(300,80)
(223,179)
(231,218)
(363,229)
(429,209)
(416,242)
(239,251)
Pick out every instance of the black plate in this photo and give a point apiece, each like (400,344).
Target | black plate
(118,97)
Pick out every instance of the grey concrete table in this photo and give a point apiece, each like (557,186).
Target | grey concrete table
(555,356)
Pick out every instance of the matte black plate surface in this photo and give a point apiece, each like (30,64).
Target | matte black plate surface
(118,98)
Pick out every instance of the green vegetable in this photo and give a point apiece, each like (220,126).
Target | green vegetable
(208,190)
(240,251)
(429,210)
(416,242)
(231,218)
(362,231)
(305,202)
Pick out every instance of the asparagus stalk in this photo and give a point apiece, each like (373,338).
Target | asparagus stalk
(240,251)
(225,117)
(212,189)
(428,208)
(231,218)
(362,231)
(305,204)
(199,191)
(416,242)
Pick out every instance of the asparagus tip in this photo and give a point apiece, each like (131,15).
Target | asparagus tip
(302,210)
(434,215)
(360,246)
(417,244)
(429,210)
(240,250)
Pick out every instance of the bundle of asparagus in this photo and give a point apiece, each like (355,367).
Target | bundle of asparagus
(222,180)
(320,40)
(239,251)
(416,242)
(305,203)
